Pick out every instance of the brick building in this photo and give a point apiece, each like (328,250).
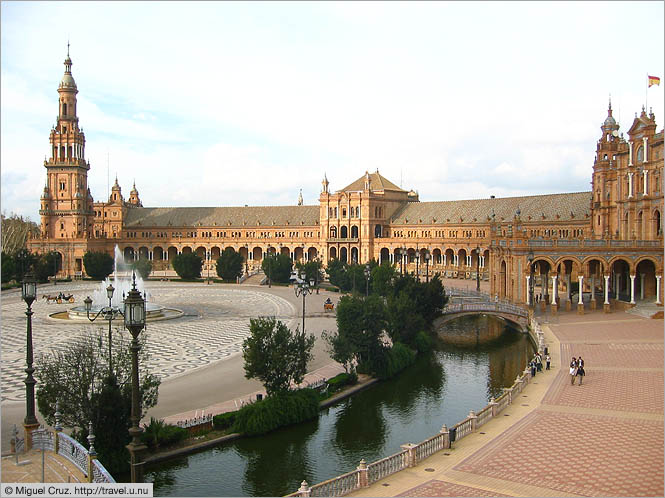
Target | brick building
(609,239)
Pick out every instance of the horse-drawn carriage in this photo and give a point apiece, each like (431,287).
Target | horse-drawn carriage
(328,305)
(59,298)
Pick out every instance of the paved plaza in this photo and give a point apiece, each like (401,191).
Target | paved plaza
(603,438)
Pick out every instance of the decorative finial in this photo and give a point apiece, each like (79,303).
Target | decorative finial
(67,47)
(610,106)
(91,440)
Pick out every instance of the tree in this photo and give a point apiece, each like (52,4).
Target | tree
(337,274)
(360,326)
(98,265)
(143,267)
(15,232)
(8,267)
(382,279)
(188,265)
(277,267)
(78,378)
(24,260)
(274,355)
(312,270)
(229,264)
(46,265)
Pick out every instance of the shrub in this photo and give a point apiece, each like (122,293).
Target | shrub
(278,410)
(224,420)
(188,265)
(158,433)
(143,267)
(98,265)
(423,342)
(229,264)
(393,360)
(341,380)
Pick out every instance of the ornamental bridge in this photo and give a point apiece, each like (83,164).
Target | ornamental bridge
(465,302)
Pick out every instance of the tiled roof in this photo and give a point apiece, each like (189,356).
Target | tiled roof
(377,182)
(234,217)
(550,205)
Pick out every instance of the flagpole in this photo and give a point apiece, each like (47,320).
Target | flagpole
(646,94)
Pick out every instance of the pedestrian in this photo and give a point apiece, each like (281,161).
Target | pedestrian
(533,368)
(573,370)
(580,369)
(547,361)
(539,362)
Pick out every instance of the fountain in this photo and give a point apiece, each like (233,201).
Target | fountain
(121,279)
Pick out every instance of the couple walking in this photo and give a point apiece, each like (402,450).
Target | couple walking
(576,370)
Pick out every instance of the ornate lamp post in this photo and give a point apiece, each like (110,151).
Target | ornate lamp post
(417,261)
(477,268)
(135,322)
(427,258)
(30,423)
(367,275)
(529,258)
(269,270)
(302,288)
(108,313)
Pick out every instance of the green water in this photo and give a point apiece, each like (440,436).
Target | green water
(439,389)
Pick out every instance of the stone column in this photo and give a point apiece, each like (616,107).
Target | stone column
(646,183)
(444,259)
(630,185)
(92,454)
(630,153)
(363,475)
(606,303)
(528,294)
(642,275)
(658,289)
(446,436)
(304,489)
(646,143)
(555,290)
(593,292)
(568,296)
(580,302)
(632,289)
(474,420)
(617,281)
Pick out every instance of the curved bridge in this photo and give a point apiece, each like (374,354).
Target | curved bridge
(510,312)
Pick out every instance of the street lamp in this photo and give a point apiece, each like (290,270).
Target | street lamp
(477,268)
(529,258)
(29,294)
(417,261)
(209,258)
(302,287)
(135,322)
(427,258)
(367,275)
(269,270)
(108,312)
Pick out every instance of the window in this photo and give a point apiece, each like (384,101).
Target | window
(63,185)
(640,154)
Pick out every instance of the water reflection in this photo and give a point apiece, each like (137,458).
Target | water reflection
(439,389)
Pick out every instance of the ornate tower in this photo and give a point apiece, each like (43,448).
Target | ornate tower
(66,206)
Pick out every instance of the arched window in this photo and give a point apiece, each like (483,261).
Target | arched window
(377,231)
(640,154)
(656,220)
(343,232)
(64,109)
(354,232)
(333,232)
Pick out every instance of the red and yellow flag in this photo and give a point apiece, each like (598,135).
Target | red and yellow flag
(653,80)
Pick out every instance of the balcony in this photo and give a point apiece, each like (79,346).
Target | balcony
(338,240)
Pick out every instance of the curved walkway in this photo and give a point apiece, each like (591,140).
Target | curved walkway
(604,438)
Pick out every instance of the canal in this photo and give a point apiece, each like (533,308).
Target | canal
(439,389)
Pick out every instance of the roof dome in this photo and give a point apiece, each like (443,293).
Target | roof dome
(67,80)
(609,121)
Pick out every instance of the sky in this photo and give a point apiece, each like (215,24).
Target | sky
(234,103)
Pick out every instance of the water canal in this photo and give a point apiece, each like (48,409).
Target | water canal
(372,424)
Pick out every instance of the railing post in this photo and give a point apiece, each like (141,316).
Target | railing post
(411,448)
(363,475)
(304,489)
(493,404)
(58,428)
(92,454)
(474,419)
(446,437)
(509,390)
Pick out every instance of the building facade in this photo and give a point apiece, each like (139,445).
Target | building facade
(608,242)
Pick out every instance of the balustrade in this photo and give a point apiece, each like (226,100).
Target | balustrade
(339,486)
(100,474)
(387,466)
(73,451)
(483,416)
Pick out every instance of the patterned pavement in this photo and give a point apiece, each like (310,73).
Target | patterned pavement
(215,323)
(442,488)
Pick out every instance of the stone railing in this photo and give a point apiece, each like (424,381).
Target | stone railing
(73,451)
(100,474)
(483,307)
(412,454)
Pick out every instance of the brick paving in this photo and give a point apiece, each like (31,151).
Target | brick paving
(581,454)
(443,488)
(29,469)
(604,438)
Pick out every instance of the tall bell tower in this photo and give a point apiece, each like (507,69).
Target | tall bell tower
(66,205)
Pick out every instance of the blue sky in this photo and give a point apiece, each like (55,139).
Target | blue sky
(233,103)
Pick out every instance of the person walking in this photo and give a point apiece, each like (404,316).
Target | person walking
(539,362)
(580,369)
(547,362)
(533,368)
(573,370)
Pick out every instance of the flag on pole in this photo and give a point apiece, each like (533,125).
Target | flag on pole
(653,80)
